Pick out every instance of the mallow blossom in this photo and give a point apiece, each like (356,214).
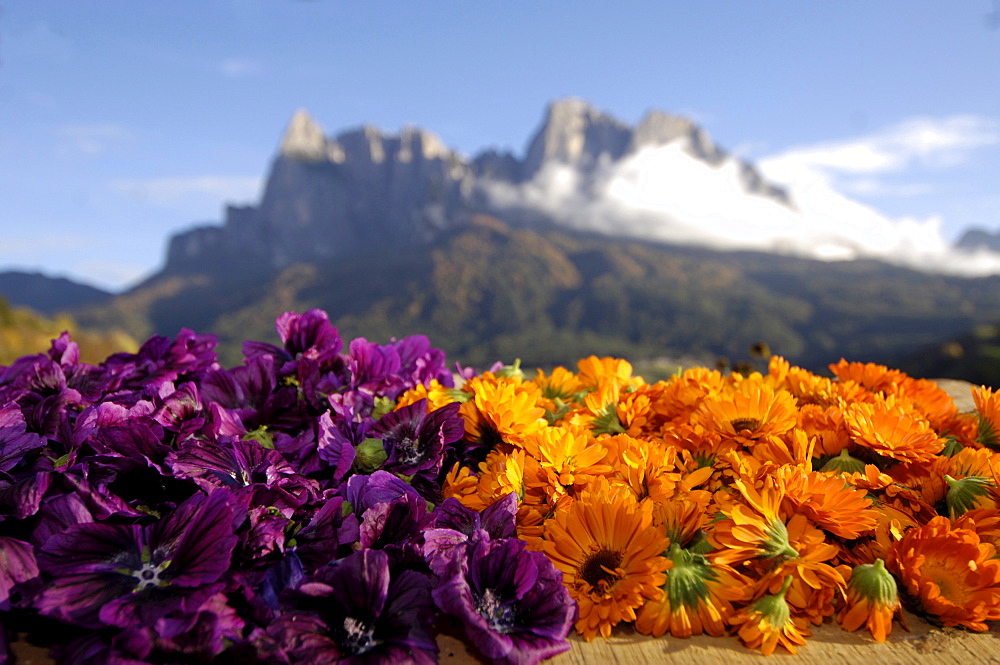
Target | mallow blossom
(119,575)
(357,611)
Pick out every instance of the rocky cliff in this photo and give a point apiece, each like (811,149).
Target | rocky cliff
(329,197)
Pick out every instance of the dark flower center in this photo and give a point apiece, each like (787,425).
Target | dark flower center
(740,424)
(148,576)
(358,636)
(499,615)
(489,436)
(599,568)
(407,450)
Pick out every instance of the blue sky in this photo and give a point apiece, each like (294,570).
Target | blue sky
(122,121)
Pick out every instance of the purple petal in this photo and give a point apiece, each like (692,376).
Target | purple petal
(17,565)
(363,492)
(333,447)
(15,440)
(203,551)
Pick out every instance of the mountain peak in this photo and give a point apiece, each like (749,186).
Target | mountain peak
(304,138)
(575,133)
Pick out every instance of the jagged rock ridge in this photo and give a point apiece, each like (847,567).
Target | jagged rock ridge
(335,196)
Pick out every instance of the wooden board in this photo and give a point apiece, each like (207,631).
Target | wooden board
(828,645)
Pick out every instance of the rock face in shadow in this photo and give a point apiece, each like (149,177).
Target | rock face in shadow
(974,239)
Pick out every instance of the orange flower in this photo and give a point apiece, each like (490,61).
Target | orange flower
(750,412)
(698,597)
(752,530)
(809,388)
(683,519)
(595,372)
(610,554)
(988,409)
(926,478)
(815,583)
(635,412)
(768,622)
(647,469)
(984,521)
(503,411)
(569,458)
(827,426)
(971,477)
(462,484)
(887,429)
(829,502)
(872,601)
(876,378)
(501,474)
(681,395)
(599,411)
(928,399)
(952,574)
(436,394)
(890,494)
(561,384)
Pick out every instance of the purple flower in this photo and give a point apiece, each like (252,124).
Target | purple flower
(123,575)
(23,496)
(181,411)
(327,534)
(161,359)
(237,465)
(205,632)
(356,611)
(242,389)
(414,440)
(375,368)
(17,565)
(420,363)
(307,336)
(512,602)
(456,525)
(44,396)
(335,444)
(395,524)
(64,350)
(15,440)
(363,492)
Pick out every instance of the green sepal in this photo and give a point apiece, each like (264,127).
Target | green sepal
(511,371)
(963,494)
(987,434)
(606,422)
(843,463)
(369,456)
(383,405)
(261,436)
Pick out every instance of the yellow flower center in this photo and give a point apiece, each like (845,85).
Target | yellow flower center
(948,579)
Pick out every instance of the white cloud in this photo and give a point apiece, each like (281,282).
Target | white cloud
(94,139)
(167,191)
(876,187)
(239,67)
(663,193)
(933,142)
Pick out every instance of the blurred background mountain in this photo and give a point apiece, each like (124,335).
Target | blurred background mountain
(542,257)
